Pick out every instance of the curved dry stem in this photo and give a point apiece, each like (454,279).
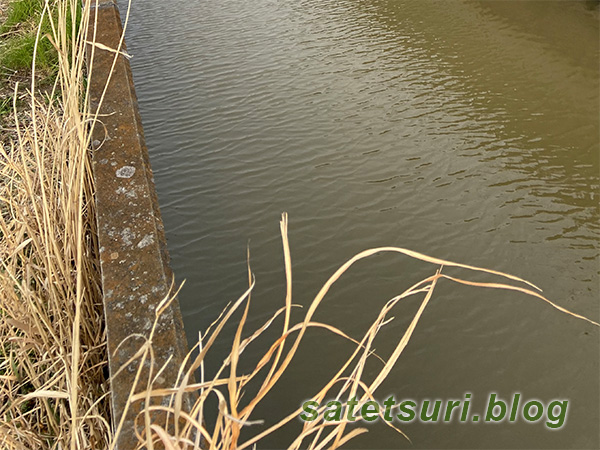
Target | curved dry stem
(349,380)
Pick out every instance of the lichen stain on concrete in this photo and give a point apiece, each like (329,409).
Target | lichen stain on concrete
(128,192)
(156,289)
(127,236)
(134,259)
(125,172)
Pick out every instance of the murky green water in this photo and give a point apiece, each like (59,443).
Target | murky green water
(466,130)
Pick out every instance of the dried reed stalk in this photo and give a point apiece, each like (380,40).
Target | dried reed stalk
(186,429)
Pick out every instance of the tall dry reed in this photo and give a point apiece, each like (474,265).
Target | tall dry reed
(53,389)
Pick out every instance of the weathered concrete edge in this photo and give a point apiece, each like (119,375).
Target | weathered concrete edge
(134,260)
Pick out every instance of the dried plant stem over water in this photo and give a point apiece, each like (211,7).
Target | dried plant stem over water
(184,429)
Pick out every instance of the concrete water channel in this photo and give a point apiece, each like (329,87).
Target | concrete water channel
(468,132)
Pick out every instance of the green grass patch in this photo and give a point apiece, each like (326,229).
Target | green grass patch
(18,42)
(21,12)
(5,109)
(18,54)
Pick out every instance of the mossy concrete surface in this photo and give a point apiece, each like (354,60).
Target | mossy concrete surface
(133,254)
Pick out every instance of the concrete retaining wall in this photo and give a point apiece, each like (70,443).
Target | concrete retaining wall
(133,253)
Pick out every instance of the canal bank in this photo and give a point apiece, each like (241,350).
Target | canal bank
(88,313)
(134,261)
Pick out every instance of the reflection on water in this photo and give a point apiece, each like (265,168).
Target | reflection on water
(467,130)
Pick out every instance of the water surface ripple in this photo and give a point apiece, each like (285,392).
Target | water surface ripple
(466,130)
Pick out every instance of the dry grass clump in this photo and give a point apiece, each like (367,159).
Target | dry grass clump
(53,390)
(187,429)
